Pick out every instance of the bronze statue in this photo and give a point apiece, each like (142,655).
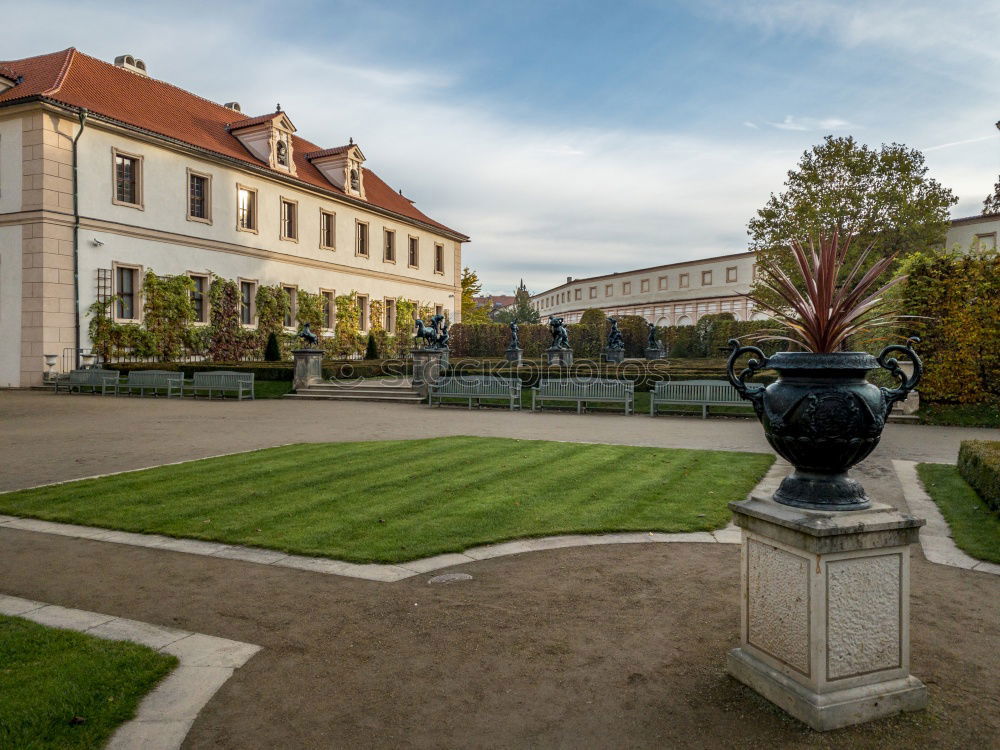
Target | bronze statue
(560,336)
(428,334)
(616,342)
(308,336)
(651,342)
(515,339)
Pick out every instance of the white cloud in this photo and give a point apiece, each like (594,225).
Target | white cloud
(826,124)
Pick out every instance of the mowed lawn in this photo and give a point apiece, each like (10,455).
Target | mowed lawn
(62,690)
(974,527)
(393,501)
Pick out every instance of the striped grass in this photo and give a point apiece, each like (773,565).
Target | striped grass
(392,501)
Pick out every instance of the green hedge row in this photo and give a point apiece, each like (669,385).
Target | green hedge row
(708,338)
(644,374)
(979,465)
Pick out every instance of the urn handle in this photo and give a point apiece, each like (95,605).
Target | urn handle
(906,384)
(756,394)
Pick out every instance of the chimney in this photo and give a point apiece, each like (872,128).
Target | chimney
(235,106)
(131,63)
(569,279)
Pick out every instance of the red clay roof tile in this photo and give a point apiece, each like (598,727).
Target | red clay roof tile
(78,80)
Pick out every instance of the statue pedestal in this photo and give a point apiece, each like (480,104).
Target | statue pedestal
(429,366)
(613,355)
(308,367)
(559,357)
(655,353)
(514,356)
(825,607)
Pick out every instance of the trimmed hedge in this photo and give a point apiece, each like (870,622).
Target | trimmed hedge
(979,465)
(706,339)
(643,373)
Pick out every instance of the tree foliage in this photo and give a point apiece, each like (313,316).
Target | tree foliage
(471,288)
(991,205)
(882,196)
(522,311)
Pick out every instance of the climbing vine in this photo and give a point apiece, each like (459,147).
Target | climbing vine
(272,305)
(310,310)
(167,312)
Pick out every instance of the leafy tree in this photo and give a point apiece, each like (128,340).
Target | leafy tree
(992,203)
(883,196)
(521,311)
(471,288)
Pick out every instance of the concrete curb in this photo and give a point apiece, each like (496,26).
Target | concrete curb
(381,572)
(935,538)
(167,712)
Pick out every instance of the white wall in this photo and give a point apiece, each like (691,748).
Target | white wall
(963,235)
(551,302)
(10,305)
(10,165)
(170,259)
(165,196)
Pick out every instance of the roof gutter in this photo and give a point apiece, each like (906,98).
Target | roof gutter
(76,239)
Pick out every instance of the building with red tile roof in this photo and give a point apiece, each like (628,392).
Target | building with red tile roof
(108,172)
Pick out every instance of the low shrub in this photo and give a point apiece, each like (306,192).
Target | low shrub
(979,465)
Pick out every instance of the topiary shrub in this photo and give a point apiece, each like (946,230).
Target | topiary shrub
(371,350)
(272,352)
(979,465)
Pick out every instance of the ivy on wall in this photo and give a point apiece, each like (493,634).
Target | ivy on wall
(272,306)
(167,313)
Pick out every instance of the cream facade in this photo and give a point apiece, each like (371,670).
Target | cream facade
(672,294)
(976,233)
(302,237)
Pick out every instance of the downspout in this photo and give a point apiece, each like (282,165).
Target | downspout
(76,241)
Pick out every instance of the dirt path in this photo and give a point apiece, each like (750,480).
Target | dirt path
(619,646)
(48,438)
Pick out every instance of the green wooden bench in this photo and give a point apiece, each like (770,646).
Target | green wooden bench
(154,382)
(240,384)
(98,381)
(703,393)
(585,391)
(477,387)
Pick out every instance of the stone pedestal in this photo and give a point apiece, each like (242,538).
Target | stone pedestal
(308,367)
(655,353)
(559,357)
(825,608)
(429,366)
(613,355)
(514,356)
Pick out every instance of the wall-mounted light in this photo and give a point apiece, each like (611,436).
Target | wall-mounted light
(96,242)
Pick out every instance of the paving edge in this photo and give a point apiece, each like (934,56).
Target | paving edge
(935,538)
(167,712)
(386,573)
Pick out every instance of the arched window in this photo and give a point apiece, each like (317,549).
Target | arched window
(355,182)
(281,153)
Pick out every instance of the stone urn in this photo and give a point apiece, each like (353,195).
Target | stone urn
(823,417)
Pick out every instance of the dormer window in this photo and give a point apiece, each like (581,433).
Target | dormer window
(341,166)
(268,138)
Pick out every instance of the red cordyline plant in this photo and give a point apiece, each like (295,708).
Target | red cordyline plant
(822,317)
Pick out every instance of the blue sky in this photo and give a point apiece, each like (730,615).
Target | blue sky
(578,138)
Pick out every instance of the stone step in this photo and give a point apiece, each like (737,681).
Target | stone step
(411,398)
(359,388)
